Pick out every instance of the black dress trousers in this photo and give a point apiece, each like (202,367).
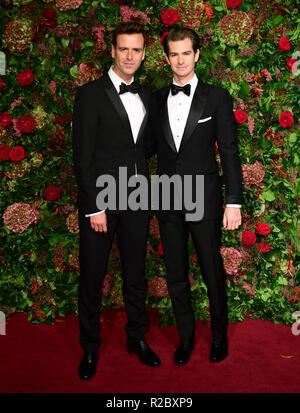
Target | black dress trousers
(206,236)
(131,228)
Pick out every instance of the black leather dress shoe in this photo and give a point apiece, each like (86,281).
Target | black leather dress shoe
(141,348)
(88,364)
(218,352)
(183,353)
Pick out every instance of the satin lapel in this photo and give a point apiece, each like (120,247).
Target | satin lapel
(116,101)
(145,102)
(165,122)
(196,110)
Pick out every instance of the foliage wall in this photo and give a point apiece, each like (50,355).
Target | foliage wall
(50,48)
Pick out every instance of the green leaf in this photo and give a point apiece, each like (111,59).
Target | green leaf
(265,143)
(65,42)
(74,71)
(244,6)
(89,43)
(292,138)
(33,257)
(265,296)
(296,159)
(219,8)
(277,19)
(268,195)
(6,229)
(104,5)
(282,281)
(244,89)
(268,102)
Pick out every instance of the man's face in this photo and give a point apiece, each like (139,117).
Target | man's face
(182,58)
(128,54)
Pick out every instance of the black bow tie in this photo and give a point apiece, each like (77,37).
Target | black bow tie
(132,88)
(185,89)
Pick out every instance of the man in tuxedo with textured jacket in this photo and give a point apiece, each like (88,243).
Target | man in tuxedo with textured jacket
(109,123)
(187,118)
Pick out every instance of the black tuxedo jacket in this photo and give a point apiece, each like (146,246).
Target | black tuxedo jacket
(102,139)
(196,154)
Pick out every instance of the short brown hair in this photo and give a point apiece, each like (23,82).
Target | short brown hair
(181,33)
(128,28)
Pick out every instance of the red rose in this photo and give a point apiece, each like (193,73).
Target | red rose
(232,4)
(263,247)
(2,84)
(248,238)
(170,17)
(163,36)
(160,248)
(4,152)
(286,119)
(17,154)
(240,116)
(50,17)
(52,193)
(49,13)
(291,64)
(262,229)
(6,120)
(284,44)
(26,123)
(25,78)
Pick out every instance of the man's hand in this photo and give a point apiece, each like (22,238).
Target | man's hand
(232,218)
(98,222)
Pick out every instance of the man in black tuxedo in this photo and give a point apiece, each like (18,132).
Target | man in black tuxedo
(109,123)
(187,118)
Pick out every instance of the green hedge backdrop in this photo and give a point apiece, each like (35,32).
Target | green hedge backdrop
(51,47)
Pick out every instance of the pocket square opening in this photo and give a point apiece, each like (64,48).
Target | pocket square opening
(204,120)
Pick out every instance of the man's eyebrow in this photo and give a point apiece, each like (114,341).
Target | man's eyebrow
(187,51)
(134,48)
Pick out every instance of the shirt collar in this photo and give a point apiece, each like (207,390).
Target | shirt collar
(116,79)
(193,82)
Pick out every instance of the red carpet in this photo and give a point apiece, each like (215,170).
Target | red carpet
(264,358)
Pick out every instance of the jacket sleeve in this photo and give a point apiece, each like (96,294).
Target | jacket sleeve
(84,126)
(228,149)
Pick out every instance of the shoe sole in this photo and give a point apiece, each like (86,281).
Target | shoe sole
(133,351)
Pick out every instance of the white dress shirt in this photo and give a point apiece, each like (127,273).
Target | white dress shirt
(178,110)
(134,107)
(132,102)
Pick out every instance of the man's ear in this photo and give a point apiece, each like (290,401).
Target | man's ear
(197,55)
(113,51)
(167,59)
